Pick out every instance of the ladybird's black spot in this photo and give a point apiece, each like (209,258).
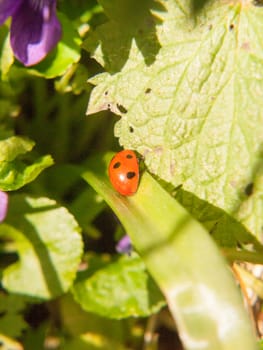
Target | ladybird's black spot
(130,175)
(116,165)
(131,129)
(249,189)
(129,156)
(109,105)
(231,27)
(106,92)
(121,108)
(148,90)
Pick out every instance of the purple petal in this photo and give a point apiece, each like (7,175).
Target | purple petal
(124,245)
(35,31)
(3,205)
(8,8)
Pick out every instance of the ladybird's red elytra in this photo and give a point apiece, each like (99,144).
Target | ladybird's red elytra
(124,172)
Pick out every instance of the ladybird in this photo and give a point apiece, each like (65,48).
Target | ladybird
(124,172)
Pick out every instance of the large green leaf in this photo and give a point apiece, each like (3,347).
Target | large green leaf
(183,260)
(225,229)
(48,244)
(195,112)
(120,289)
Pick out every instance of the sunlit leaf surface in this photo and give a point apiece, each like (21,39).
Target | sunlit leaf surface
(184,261)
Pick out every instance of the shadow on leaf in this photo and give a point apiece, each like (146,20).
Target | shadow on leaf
(129,20)
(39,247)
(227,231)
(198,5)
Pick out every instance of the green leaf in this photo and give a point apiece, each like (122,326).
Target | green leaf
(196,112)
(13,147)
(17,173)
(15,170)
(11,322)
(112,43)
(250,212)
(12,303)
(12,325)
(10,344)
(76,321)
(118,290)
(184,261)
(227,231)
(48,244)
(88,329)
(7,58)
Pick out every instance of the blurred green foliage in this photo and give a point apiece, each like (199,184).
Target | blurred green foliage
(181,84)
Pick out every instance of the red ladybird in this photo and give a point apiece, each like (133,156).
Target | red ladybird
(124,172)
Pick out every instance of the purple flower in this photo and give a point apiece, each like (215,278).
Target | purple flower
(35,29)
(3,205)
(124,245)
